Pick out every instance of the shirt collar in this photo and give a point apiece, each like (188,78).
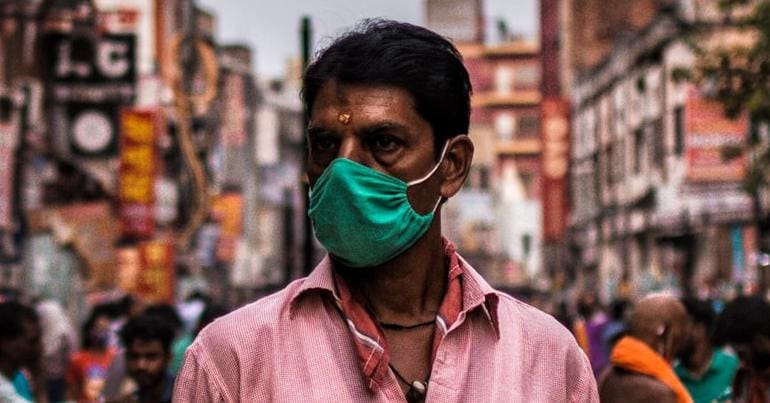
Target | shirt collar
(466,291)
(475,291)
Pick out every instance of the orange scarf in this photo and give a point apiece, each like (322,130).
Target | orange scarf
(632,354)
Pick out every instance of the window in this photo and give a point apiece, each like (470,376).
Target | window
(658,145)
(484,178)
(526,77)
(610,165)
(528,126)
(679,130)
(503,79)
(504,126)
(638,149)
(526,244)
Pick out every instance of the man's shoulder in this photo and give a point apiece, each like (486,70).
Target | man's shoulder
(533,322)
(251,319)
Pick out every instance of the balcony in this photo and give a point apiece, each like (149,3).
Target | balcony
(513,98)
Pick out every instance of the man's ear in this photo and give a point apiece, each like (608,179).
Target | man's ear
(457,164)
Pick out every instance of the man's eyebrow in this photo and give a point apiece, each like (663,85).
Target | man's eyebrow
(382,127)
(318,131)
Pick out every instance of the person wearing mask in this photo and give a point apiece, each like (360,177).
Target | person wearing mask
(147,340)
(393,312)
(20,347)
(88,366)
(705,371)
(744,325)
(640,363)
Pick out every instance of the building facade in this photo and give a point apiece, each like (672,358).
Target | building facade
(654,206)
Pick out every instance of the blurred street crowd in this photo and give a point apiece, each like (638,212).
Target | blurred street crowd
(124,351)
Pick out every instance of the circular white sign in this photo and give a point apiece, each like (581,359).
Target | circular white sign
(92,131)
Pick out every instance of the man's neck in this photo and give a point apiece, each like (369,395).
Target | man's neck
(153,393)
(700,359)
(408,289)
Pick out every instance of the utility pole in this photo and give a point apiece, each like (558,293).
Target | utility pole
(306,38)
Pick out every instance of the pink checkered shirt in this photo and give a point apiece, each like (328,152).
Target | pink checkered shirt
(308,343)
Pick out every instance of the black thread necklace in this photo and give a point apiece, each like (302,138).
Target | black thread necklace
(417,389)
(396,326)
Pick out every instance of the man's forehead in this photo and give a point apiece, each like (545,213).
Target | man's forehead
(343,94)
(146,344)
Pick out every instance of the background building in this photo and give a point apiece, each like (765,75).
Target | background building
(496,218)
(654,206)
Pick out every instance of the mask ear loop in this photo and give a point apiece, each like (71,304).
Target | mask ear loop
(432,171)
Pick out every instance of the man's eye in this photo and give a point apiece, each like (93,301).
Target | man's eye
(384,143)
(323,143)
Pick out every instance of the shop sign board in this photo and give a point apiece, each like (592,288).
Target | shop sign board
(155,280)
(138,167)
(227,210)
(707,133)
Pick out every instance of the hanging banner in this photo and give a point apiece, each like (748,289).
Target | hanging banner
(138,166)
(707,133)
(555,137)
(227,210)
(155,280)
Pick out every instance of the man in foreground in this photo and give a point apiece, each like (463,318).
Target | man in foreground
(640,363)
(393,313)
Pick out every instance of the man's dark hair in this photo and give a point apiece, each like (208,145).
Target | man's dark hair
(701,312)
(167,313)
(405,56)
(147,328)
(742,319)
(12,316)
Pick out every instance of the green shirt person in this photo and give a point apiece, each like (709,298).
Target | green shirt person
(707,372)
(715,384)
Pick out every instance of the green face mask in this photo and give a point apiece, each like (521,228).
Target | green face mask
(362,216)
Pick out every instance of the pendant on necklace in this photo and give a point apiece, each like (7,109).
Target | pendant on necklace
(420,387)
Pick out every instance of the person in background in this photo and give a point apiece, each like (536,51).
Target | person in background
(588,329)
(744,325)
(88,366)
(20,347)
(617,326)
(182,339)
(147,340)
(705,371)
(118,383)
(640,370)
(59,342)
